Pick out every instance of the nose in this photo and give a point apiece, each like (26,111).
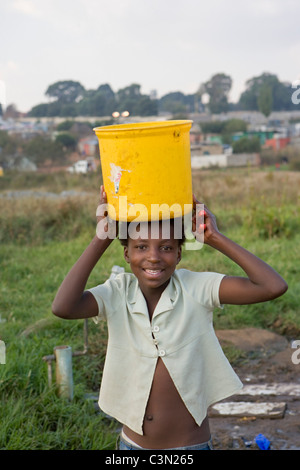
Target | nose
(153,255)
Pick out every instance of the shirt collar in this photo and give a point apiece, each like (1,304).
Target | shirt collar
(165,303)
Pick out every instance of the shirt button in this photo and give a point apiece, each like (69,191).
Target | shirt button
(162,353)
(155,329)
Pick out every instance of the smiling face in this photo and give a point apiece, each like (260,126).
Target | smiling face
(153,261)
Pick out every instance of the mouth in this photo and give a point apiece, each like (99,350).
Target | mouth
(153,272)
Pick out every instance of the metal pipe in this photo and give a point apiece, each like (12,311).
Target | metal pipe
(52,357)
(64,373)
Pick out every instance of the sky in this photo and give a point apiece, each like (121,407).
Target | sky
(163,45)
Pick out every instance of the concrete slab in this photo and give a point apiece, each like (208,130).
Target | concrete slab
(241,409)
(276,389)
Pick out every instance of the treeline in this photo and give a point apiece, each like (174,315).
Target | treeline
(69,98)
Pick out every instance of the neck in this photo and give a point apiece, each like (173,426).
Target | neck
(152,297)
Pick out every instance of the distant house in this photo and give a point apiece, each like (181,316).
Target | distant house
(225,160)
(83,166)
(195,134)
(206,148)
(88,146)
(277,143)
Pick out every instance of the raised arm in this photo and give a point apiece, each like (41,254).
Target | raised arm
(262,282)
(71,300)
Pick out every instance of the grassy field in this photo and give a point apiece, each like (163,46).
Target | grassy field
(40,240)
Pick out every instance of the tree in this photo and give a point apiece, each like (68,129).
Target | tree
(172,102)
(40,110)
(224,127)
(247,145)
(218,88)
(100,102)
(106,91)
(266,92)
(66,140)
(8,144)
(127,98)
(132,92)
(145,106)
(67,91)
(176,102)
(264,99)
(234,125)
(64,126)
(69,109)
(40,148)
(132,100)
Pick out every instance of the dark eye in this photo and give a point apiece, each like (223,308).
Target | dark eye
(166,248)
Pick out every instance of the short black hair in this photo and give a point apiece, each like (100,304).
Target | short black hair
(124,240)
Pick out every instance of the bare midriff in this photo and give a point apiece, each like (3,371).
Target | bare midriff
(167,421)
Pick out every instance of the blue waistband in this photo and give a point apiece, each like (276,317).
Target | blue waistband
(125,445)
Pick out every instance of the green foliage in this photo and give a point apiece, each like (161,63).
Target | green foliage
(41,148)
(234,125)
(8,144)
(40,110)
(266,92)
(65,125)
(246,145)
(265,100)
(218,88)
(71,99)
(66,140)
(66,91)
(176,103)
(224,127)
(266,221)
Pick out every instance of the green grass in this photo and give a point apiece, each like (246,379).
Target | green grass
(32,416)
(259,210)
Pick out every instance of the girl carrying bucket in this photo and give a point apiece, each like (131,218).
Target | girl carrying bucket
(164,366)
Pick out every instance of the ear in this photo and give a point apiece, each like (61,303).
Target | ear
(126,256)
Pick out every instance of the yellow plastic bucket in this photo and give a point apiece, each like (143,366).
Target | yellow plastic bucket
(146,169)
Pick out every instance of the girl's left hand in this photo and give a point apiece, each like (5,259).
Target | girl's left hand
(204,224)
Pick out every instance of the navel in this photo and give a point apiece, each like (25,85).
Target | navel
(149,417)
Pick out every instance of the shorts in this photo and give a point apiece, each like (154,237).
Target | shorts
(123,444)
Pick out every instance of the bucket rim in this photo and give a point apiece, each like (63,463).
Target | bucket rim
(139,126)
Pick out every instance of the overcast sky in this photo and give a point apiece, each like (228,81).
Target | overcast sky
(163,45)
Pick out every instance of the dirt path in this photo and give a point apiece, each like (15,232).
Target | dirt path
(270,376)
